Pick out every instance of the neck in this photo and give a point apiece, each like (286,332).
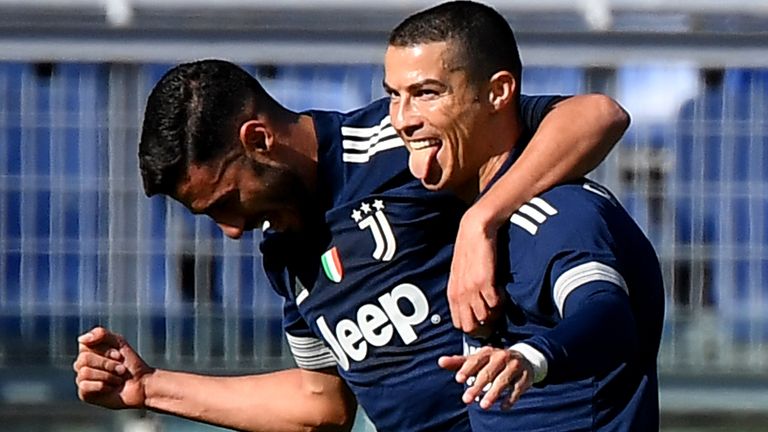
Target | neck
(298,134)
(497,152)
(468,191)
(303,136)
(490,168)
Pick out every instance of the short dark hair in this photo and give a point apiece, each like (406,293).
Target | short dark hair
(190,118)
(480,33)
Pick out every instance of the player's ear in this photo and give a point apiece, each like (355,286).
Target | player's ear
(256,137)
(502,90)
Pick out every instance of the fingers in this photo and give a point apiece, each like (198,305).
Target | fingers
(522,383)
(463,311)
(98,375)
(485,367)
(468,312)
(480,310)
(88,390)
(473,364)
(98,336)
(472,307)
(494,380)
(471,291)
(487,307)
(498,385)
(102,350)
(489,296)
(489,373)
(511,374)
(454,300)
(452,363)
(91,375)
(469,321)
(111,363)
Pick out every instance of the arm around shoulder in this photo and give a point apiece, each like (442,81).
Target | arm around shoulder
(592,124)
(573,138)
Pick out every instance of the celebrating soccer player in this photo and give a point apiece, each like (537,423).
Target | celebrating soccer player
(584,298)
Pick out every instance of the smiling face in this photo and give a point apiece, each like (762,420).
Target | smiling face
(240,195)
(437,111)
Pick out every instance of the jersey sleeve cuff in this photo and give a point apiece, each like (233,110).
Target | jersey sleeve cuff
(535,357)
(310,353)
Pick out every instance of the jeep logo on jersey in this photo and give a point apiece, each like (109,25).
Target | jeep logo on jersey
(376,324)
(372,217)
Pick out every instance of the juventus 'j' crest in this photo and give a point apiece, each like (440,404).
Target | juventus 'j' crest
(372,217)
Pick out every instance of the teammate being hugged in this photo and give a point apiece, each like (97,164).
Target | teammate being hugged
(577,344)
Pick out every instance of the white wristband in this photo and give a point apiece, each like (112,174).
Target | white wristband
(535,357)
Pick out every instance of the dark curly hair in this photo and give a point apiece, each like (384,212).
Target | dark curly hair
(191,117)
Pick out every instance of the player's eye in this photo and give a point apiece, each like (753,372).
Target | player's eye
(426,93)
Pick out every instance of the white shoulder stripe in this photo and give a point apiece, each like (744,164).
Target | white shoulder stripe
(582,274)
(360,143)
(544,206)
(384,135)
(365,132)
(524,223)
(532,213)
(394,142)
(310,353)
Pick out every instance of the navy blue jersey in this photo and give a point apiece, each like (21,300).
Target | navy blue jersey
(584,290)
(374,305)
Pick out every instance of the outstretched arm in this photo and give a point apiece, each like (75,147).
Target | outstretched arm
(287,400)
(111,374)
(572,139)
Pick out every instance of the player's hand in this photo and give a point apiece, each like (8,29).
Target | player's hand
(493,371)
(472,296)
(108,371)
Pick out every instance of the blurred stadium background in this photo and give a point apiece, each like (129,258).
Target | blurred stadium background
(81,245)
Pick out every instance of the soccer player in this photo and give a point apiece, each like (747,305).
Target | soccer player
(584,294)
(357,248)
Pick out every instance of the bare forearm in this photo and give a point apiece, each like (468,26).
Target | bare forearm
(278,401)
(570,142)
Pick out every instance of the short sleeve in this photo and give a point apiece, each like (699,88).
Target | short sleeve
(533,109)
(308,350)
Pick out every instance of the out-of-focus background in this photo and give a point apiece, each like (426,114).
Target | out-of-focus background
(81,245)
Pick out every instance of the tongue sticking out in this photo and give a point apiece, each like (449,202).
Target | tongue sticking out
(420,160)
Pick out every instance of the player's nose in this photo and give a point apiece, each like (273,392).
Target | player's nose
(405,119)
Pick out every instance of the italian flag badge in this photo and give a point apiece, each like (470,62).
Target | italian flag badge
(332,265)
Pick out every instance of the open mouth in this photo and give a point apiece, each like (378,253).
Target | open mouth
(423,158)
(425,143)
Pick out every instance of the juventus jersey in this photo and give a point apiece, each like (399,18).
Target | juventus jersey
(366,293)
(584,288)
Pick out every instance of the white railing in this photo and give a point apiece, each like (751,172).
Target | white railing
(550,32)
